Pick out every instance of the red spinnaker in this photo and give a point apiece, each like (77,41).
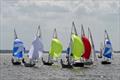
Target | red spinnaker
(87,46)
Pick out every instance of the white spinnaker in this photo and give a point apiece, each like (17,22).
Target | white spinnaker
(36,49)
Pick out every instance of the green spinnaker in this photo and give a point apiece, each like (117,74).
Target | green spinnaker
(56,48)
(77,47)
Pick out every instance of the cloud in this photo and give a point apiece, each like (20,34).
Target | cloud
(16,11)
(58,13)
(99,6)
(48,8)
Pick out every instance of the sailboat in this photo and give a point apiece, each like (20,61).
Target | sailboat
(55,50)
(18,50)
(76,50)
(35,51)
(101,51)
(93,57)
(107,51)
(88,48)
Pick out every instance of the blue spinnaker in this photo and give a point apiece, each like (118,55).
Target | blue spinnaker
(108,49)
(18,49)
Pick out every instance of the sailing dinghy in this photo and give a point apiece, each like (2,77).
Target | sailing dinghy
(101,51)
(35,51)
(107,51)
(68,58)
(92,59)
(76,50)
(55,50)
(88,48)
(18,50)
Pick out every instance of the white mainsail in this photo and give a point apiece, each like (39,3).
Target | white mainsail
(36,49)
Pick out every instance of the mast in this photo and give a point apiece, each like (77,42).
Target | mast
(104,42)
(82,30)
(15,34)
(38,32)
(73,27)
(87,46)
(106,36)
(56,47)
(77,44)
(101,49)
(55,33)
(92,43)
(70,43)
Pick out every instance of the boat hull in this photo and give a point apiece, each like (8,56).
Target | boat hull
(65,65)
(99,56)
(15,63)
(28,64)
(78,64)
(88,63)
(105,62)
(47,63)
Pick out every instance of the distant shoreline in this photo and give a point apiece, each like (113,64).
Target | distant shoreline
(10,51)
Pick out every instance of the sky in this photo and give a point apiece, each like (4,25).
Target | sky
(26,15)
